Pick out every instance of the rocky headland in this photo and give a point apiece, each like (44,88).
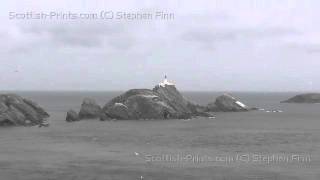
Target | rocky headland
(304,98)
(18,111)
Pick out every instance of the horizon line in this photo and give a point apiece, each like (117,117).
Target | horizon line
(187,90)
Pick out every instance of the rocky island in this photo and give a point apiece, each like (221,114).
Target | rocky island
(18,111)
(164,101)
(227,103)
(304,98)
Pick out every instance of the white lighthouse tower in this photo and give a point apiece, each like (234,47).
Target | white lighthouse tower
(165,82)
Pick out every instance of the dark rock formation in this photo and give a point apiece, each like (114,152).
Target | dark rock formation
(149,107)
(15,111)
(183,107)
(118,111)
(163,102)
(174,99)
(104,117)
(35,106)
(304,98)
(72,116)
(227,103)
(89,109)
(212,107)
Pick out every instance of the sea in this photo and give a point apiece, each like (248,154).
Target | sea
(97,150)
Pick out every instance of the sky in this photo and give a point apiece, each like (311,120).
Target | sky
(211,45)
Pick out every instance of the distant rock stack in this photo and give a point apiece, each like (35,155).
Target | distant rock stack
(18,111)
(72,116)
(227,103)
(163,102)
(174,98)
(89,109)
(139,104)
(304,98)
(183,107)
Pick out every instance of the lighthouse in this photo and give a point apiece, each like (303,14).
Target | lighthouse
(165,82)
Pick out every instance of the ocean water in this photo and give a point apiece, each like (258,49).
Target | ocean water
(96,150)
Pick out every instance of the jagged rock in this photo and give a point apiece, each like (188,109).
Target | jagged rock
(39,109)
(173,98)
(72,116)
(118,111)
(149,107)
(185,109)
(13,117)
(227,103)
(89,109)
(104,117)
(15,111)
(199,110)
(304,98)
(3,107)
(163,102)
(123,97)
(212,107)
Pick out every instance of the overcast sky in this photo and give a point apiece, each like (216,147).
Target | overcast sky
(265,45)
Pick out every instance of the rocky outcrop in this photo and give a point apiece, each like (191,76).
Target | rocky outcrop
(104,117)
(72,116)
(118,111)
(174,99)
(212,107)
(37,108)
(18,111)
(89,109)
(163,102)
(227,103)
(304,98)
